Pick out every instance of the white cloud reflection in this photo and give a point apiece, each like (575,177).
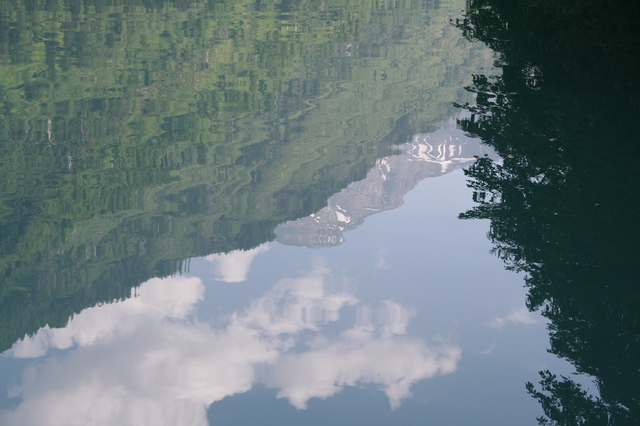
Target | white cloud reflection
(359,355)
(233,267)
(148,360)
(520,316)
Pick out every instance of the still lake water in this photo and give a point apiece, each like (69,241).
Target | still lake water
(339,212)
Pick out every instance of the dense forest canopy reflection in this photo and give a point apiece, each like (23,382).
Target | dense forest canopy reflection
(138,134)
(563,202)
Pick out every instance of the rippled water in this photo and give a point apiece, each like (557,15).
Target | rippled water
(302,212)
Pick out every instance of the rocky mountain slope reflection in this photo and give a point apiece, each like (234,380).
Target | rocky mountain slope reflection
(427,155)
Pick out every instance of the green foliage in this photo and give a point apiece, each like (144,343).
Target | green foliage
(134,135)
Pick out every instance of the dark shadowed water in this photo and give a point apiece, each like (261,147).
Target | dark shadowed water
(319,212)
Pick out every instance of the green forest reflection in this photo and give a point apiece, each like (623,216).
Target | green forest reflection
(563,202)
(137,134)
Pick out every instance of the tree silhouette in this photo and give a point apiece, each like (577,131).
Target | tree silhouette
(563,201)
(565,403)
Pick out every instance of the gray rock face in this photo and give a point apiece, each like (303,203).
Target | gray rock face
(427,155)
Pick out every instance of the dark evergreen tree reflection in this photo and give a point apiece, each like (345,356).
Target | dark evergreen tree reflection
(564,202)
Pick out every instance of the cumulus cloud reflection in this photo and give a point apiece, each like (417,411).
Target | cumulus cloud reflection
(520,316)
(148,360)
(359,355)
(233,267)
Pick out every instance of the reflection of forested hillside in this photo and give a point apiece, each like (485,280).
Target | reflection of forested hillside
(563,203)
(137,134)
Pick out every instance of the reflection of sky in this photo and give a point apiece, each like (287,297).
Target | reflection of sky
(440,270)
(411,308)
(147,360)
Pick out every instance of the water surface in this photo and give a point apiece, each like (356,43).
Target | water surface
(241,213)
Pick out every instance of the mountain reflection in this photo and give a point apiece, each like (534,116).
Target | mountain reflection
(135,135)
(426,155)
(148,360)
(564,202)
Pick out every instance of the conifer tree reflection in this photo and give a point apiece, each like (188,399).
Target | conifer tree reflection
(563,202)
